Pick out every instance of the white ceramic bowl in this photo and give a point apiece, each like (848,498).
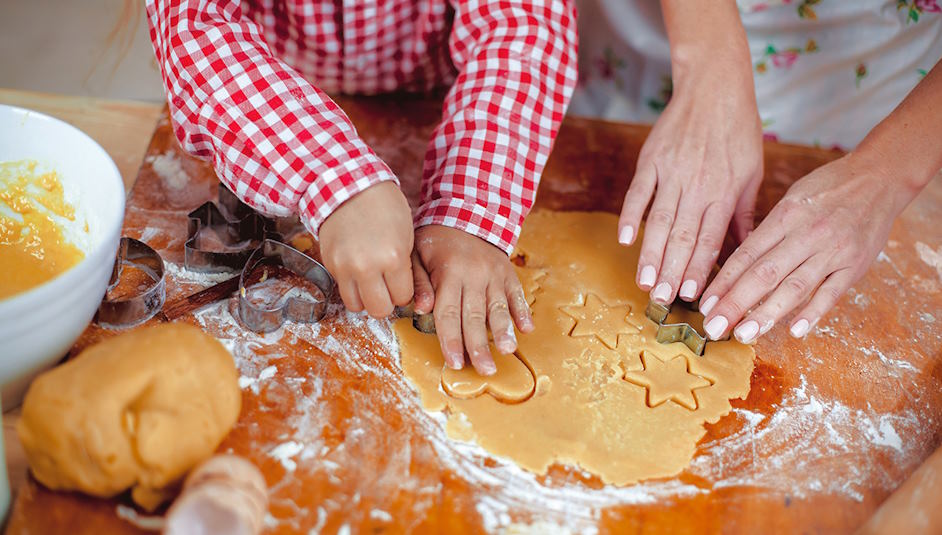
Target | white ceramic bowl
(38,326)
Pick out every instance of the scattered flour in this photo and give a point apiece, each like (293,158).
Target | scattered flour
(883,257)
(284,452)
(760,454)
(144,522)
(380,515)
(893,364)
(930,256)
(180,273)
(149,234)
(765,457)
(169,168)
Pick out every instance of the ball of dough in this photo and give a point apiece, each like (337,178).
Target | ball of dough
(136,411)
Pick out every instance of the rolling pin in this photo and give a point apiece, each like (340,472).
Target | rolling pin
(225,494)
(916,506)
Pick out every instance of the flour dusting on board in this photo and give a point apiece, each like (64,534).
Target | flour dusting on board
(763,452)
(759,454)
(170,169)
(930,256)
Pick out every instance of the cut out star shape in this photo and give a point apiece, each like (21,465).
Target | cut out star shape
(668,380)
(598,319)
(530,281)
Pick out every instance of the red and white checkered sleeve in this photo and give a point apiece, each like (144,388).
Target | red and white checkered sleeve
(279,143)
(517,71)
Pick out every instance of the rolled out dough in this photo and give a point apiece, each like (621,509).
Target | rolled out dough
(607,397)
(136,411)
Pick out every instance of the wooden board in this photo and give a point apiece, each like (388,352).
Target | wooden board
(832,424)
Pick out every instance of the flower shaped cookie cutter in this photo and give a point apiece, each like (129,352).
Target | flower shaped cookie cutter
(239,231)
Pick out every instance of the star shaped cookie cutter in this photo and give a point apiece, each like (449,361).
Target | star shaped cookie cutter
(266,318)
(675,332)
(121,312)
(240,228)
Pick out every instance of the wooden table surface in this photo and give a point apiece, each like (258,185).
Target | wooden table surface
(831,426)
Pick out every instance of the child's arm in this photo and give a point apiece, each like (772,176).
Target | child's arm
(830,226)
(281,145)
(517,63)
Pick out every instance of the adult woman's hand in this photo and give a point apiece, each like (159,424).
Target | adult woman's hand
(702,163)
(826,231)
(814,244)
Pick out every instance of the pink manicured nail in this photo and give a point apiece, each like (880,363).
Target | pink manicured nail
(766,327)
(746,332)
(707,306)
(688,289)
(715,327)
(800,328)
(626,234)
(648,275)
(662,293)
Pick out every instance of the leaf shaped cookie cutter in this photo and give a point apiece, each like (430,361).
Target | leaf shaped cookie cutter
(264,318)
(242,228)
(129,311)
(675,332)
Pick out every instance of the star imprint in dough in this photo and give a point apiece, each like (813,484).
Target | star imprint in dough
(530,279)
(668,380)
(598,319)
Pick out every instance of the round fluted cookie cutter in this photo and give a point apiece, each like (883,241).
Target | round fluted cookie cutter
(129,311)
(263,318)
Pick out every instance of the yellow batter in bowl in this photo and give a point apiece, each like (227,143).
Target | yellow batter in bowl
(33,248)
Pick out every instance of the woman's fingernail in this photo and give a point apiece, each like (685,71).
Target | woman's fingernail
(746,332)
(688,289)
(626,234)
(766,327)
(715,327)
(800,328)
(707,306)
(488,368)
(647,276)
(662,293)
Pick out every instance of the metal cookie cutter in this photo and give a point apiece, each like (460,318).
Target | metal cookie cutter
(424,323)
(265,318)
(121,312)
(241,228)
(674,332)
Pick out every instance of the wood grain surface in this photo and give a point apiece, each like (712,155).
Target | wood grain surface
(832,424)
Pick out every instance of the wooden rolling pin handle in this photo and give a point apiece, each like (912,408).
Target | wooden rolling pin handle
(916,506)
(225,494)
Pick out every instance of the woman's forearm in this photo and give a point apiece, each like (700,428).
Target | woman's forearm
(907,145)
(706,34)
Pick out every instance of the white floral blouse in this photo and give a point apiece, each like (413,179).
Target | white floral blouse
(826,71)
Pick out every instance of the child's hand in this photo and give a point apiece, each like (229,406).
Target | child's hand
(365,244)
(470,284)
